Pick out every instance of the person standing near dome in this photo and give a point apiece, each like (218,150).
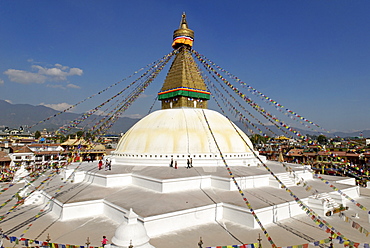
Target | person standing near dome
(104,241)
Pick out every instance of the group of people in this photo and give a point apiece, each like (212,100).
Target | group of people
(189,163)
(89,159)
(107,164)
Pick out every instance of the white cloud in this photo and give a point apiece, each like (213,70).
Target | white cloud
(61,67)
(75,71)
(56,86)
(58,73)
(100,112)
(73,86)
(1,82)
(143,95)
(134,116)
(57,106)
(63,87)
(25,77)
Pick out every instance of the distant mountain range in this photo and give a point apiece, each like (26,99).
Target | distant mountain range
(276,131)
(16,115)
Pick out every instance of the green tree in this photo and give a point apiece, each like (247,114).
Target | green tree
(321,139)
(60,138)
(258,139)
(89,136)
(37,134)
(80,134)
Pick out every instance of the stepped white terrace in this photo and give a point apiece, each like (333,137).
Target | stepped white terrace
(180,204)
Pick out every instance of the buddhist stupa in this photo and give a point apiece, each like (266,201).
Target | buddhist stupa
(143,203)
(184,126)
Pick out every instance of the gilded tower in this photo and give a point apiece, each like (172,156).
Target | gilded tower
(183,86)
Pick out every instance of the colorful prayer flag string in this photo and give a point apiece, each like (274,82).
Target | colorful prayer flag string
(253,90)
(323,224)
(100,92)
(262,111)
(239,189)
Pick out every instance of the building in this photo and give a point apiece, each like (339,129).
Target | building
(4,160)
(47,152)
(78,149)
(15,134)
(22,155)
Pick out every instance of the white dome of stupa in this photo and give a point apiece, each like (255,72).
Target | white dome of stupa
(184,133)
(184,128)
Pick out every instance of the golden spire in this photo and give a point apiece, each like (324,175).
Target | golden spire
(183,86)
(183,35)
(183,23)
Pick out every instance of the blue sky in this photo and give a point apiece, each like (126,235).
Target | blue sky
(311,56)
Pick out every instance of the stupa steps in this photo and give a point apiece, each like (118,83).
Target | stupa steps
(179,198)
(286,179)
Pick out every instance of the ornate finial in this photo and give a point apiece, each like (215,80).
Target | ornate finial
(183,35)
(200,243)
(87,242)
(48,239)
(183,23)
(132,217)
(259,240)
(130,246)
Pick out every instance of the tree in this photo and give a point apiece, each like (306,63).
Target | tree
(321,139)
(258,139)
(80,134)
(60,138)
(89,136)
(37,134)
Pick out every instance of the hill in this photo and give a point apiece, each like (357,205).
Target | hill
(305,132)
(16,115)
